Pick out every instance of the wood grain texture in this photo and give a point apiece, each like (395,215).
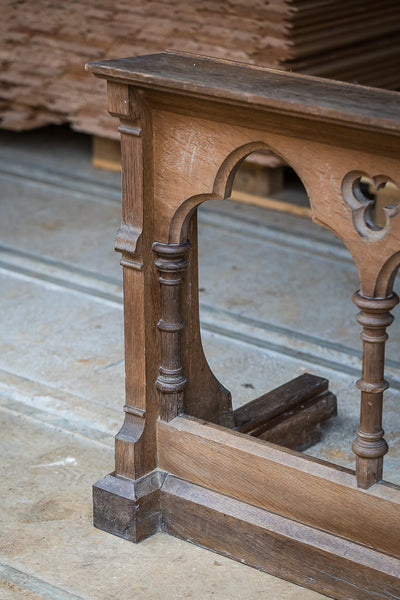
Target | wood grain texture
(261,87)
(171,263)
(128,509)
(325,169)
(205,397)
(135,452)
(282,481)
(300,427)
(186,125)
(280,399)
(290,415)
(285,548)
(370,445)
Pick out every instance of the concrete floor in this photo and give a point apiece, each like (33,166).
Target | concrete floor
(61,368)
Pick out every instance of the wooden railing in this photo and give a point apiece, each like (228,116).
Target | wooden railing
(186,123)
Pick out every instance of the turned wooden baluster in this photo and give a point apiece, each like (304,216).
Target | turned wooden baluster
(370,446)
(171,263)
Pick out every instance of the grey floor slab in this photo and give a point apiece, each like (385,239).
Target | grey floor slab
(281,271)
(60,226)
(55,154)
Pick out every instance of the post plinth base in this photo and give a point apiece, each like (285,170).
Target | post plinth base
(126,508)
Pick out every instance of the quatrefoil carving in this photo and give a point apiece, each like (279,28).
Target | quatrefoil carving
(374,201)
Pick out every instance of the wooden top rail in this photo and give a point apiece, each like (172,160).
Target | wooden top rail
(279,91)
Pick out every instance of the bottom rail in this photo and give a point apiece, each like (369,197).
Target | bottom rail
(282,481)
(296,552)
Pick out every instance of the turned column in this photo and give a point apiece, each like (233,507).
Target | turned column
(370,446)
(171,381)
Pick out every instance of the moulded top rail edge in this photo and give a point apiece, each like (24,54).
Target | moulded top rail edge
(284,92)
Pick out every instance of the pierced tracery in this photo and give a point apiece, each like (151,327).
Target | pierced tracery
(372,209)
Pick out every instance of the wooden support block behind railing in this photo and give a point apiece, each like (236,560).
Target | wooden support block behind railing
(106,153)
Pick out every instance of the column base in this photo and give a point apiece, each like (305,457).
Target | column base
(126,508)
(369,471)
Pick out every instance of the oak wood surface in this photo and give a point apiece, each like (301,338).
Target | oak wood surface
(357,135)
(282,398)
(300,427)
(290,415)
(286,482)
(45,44)
(128,509)
(205,397)
(135,452)
(370,445)
(258,86)
(186,125)
(285,548)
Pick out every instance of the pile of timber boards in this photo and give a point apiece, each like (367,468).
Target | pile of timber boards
(357,41)
(46,43)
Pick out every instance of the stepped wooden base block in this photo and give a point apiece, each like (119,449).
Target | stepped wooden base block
(185,462)
(247,533)
(290,415)
(126,508)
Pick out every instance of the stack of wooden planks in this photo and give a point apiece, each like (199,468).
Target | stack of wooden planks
(46,43)
(357,41)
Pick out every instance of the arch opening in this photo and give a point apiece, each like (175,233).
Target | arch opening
(275,298)
(255,156)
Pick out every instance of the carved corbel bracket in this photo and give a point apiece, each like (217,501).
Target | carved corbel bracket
(120,100)
(128,241)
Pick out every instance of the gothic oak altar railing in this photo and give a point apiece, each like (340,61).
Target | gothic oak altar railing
(186,123)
